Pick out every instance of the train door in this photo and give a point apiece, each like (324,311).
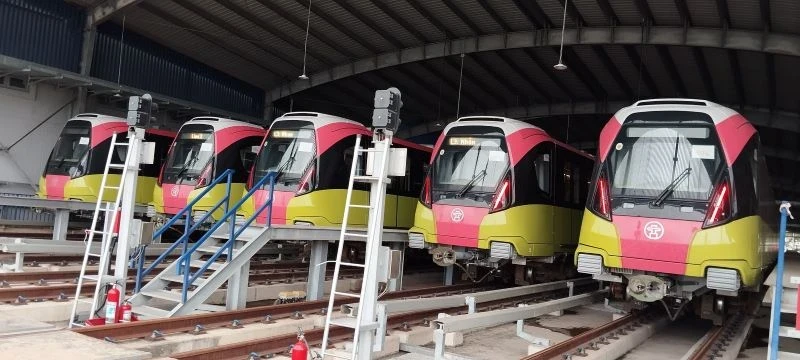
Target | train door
(563,189)
(544,158)
(409,187)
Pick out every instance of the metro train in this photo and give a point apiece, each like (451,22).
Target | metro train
(204,148)
(313,153)
(680,206)
(501,192)
(74,169)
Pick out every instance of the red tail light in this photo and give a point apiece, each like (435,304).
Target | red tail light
(426,197)
(205,176)
(307,181)
(601,203)
(719,208)
(502,198)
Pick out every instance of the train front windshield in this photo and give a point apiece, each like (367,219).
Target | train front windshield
(646,160)
(468,168)
(289,151)
(71,150)
(191,154)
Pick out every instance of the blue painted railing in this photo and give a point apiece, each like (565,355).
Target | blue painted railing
(777,290)
(188,227)
(184,260)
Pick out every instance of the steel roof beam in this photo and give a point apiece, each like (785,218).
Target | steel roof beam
(683,10)
(534,13)
(522,75)
(211,39)
(785,44)
(583,74)
(464,18)
(494,15)
(203,13)
(548,70)
(733,57)
(479,103)
(766,16)
(613,70)
(264,26)
(705,74)
(644,10)
(573,12)
(343,28)
(672,69)
(370,24)
(414,77)
(477,81)
(401,21)
(724,13)
(486,68)
(430,18)
(608,11)
(105,10)
(643,72)
(771,82)
(301,24)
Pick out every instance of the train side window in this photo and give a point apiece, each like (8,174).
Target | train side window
(542,166)
(754,169)
(576,183)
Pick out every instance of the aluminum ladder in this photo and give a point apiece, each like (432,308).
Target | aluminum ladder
(111,216)
(364,324)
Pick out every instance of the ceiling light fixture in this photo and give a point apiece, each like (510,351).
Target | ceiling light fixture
(561,66)
(303,76)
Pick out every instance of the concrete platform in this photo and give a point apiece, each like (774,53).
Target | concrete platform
(13,325)
(65,345)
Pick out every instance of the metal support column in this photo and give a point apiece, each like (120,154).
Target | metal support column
(238,285)
(317,267)
(397,284)
(60,224)
(448,275)
(127,204)
(87,54)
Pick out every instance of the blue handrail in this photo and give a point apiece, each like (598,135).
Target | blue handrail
(188,277)
(777,290)
(226,175)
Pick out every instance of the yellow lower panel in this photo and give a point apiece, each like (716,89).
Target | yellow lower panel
(326,208)
(86,188)
(215,195)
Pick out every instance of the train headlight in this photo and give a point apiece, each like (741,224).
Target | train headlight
(416,240)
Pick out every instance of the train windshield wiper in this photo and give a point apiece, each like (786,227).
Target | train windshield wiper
(471,183)
(286,163)
(671,187)
(186,165)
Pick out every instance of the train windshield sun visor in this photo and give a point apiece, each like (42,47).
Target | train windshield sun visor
(287,151)
(71,149)
(192,151)
(662,163)
(469,167)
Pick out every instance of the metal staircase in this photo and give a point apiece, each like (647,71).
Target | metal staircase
(364,323)
(108,235)
(221,255)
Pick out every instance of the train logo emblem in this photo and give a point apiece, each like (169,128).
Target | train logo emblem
(654,230)
(457,215)
(174,191)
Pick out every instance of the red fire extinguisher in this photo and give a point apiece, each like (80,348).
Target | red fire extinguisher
(116,221)
(127,312)
(112,305)
(300,349)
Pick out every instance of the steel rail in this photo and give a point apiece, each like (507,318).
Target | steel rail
(278,344)
(180,324)
(568,346)
(702,352)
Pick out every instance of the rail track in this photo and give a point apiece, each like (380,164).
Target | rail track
(722,342)
(188,323)
(268,347)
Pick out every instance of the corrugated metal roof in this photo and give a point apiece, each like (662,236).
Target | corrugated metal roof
(745,15)
(479,16)
(548,57)
(439,10)
(785,15)
(655,66)
(600,72)
(591,12)
(554,9)
(665,12)
(329,12)
(627,12)
(690,72)
(704,13)
(510,14)
(405,11)
(367,9)
(319,26)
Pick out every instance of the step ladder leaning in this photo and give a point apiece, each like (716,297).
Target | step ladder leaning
(111,215)
(364,324)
